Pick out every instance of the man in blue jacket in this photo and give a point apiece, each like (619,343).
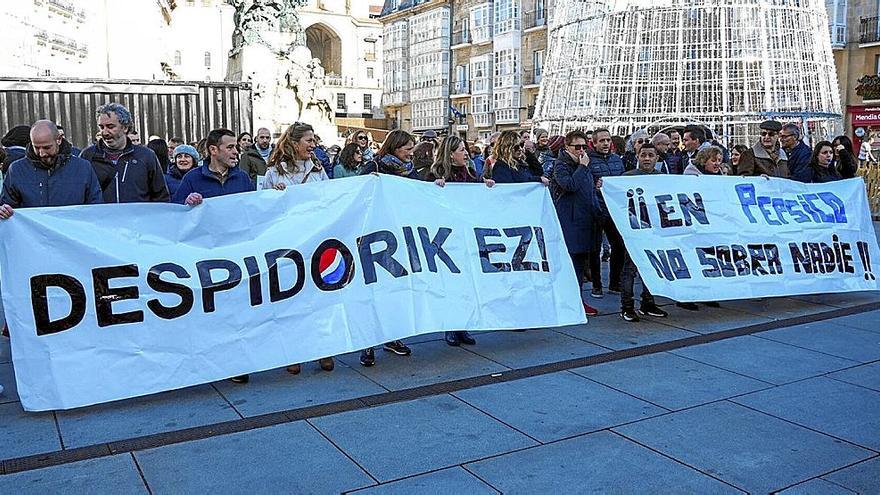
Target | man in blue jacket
(604,163)
(127,172)
(799,153)
(48,175)
(219,176)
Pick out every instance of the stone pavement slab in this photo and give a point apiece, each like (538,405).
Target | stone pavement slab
(708,320)
(778,308)
(866,321)
(444,482)
(531,348)
(863,478)
(175,410)
(817,486)
(278,390)
(7,379)
(867,375)
(600,462)
(670,381)
(407,438)
(839,409)
(830,338)
(764,359)
(612,332)
(557,405)
(751,450)
(23,433)
(288,458)
(842,300)
(115,474)
(430,362)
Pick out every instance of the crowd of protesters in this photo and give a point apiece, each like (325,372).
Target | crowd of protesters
(41,168)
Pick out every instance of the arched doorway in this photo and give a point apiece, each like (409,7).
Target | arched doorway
(326,46)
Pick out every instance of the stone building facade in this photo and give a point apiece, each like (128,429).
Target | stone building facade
(491,59)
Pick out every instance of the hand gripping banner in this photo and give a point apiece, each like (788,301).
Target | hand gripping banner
(107,302)
(702,238)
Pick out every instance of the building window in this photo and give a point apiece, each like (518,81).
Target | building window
(481,23)
(368,103)
(340,101)
(371,74)
(177,57)
(538,61)
(207,59)
(206,3)
(506,16)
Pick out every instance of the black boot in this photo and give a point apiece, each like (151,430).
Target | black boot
(451,338)
(465,338)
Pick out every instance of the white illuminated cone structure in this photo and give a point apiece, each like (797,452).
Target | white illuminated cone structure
(727,64)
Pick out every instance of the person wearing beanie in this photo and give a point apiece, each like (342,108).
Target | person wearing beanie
(186,158)
(548,157)
(15,141)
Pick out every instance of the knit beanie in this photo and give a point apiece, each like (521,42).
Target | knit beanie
(19,135)
(186,149)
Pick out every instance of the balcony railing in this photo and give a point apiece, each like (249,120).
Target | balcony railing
(534,19)
(868,32)
(461,38)
(461,88)
(530,78)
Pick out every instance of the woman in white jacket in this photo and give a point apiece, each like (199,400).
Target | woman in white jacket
(293,162)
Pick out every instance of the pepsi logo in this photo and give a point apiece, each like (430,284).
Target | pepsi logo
(332,265)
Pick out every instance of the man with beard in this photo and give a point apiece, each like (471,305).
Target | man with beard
(48,175)
(127,172)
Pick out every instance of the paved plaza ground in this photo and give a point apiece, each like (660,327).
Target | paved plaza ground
(758,396)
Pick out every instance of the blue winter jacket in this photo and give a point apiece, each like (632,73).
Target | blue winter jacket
(324,158)
(799,163)
(173,177)
(601,165)
(577,204)
(29,183)
(137,176)
(201,180)
(503,174)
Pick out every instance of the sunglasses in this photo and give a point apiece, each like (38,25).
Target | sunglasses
(362,138)
(579,146)
(519,146)
(768,133)
(641,141)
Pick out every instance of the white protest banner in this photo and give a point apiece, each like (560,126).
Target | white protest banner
(113,301)
(704,238)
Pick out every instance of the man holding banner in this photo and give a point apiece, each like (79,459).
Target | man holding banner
(48,175)
(218,177)
(647,161)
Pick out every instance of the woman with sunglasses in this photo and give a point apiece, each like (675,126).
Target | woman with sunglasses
(361,139)
(451,165)
(350,160)
(633,145)
(293,162)
(508,165)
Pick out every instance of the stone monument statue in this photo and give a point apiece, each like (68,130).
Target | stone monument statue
(269,50)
